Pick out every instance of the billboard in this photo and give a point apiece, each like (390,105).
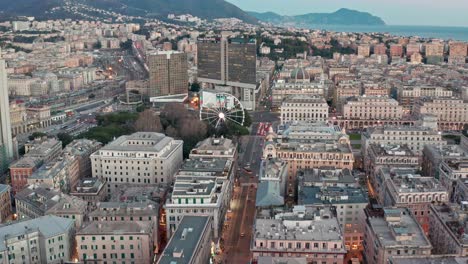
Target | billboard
(216,100)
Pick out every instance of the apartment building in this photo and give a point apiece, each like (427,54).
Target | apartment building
(447,110)
(372,108)
(91,190)
(140,159)
(433,156)
(450,171)
(38,200)
(214,148)
(414,137)
(396,156)
(138,209)
(349,203)
(191,242)
(405,188)
(407,96)
(448,234)
(304,108)
(395,233)
(122,242)
(47,239)
(313,234)
(198,196)
(5,202)
(21,170)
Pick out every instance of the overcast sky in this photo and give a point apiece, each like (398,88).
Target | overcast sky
(393,12)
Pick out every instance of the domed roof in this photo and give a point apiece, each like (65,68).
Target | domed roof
(300,75)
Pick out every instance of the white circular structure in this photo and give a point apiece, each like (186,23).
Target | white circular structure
(217,108)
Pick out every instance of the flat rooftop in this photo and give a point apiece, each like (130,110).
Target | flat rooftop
(217,166)
(89,186)
(434,259)
(328,146)
(312,225)
(210,145)
(325,174)
(391,150)
(186,186)
(455,219)
(185,240)
(398,222)
(331,195)
(140,141)
(115,228)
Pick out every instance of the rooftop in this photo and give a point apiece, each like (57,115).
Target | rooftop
(4,188)
(139,141)
(398,228)
(322,146)
(214,146)
(26,162)
(190,186)
(326,174)
(455,218)
(115,228)
(304,99)
(273,169)
(138,193)
(219,167)
(42,147)
(434,259)
(185,240)
(82,147)
(280,260)
(409,183)
(47,200)
(310,129)
(448,151)
(391,150)
(331,195)
(48,225)
(269,194)
(89,186)
(301,224)
(126,208)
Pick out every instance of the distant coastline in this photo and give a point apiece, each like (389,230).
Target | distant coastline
(441,32)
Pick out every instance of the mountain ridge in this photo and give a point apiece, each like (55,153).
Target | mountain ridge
(342,16)
(206,9)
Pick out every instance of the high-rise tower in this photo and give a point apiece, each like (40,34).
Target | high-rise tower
(6,141)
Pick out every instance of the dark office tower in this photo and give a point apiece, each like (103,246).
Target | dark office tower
(167,73)
(229,65)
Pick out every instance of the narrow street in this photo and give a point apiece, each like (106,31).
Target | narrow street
(238,229)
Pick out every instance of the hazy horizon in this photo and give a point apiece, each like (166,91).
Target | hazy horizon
(394,12)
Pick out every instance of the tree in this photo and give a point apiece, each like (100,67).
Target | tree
(247,119)
(127,45)
(140,108)
(97,45)
(65,138)
(37,135)
(148,121)
(195,87)
(174,113)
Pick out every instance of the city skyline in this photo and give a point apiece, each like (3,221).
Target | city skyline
(429,13)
